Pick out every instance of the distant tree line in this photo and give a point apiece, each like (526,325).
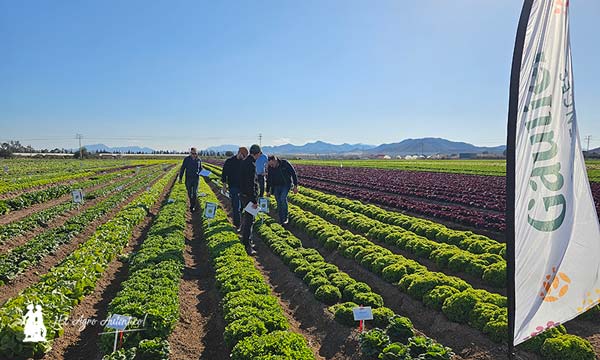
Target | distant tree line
(7,149)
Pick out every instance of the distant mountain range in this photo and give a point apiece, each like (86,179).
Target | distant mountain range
(595,151)
(425,146)
(121,149)
(431,146)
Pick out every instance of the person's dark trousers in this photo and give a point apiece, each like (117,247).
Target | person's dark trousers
(281,193)
(247,222)
(234,195)
(192,189)
(261,185)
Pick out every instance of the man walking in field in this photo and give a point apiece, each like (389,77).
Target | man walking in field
(249,193)
(192,165)
(282,177)
(261,172)
(231,178)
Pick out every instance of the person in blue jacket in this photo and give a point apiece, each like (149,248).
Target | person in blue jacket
(280,179)
(192,165)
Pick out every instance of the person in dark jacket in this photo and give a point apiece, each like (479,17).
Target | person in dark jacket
(249,193)
(192,165)
(231,179)
(280,179)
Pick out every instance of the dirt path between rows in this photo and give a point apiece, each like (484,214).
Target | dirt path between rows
(33,274)
(58,220)
(307,316)
(15,193)
(466,342)
(199,332)
(20,214)
(80,340)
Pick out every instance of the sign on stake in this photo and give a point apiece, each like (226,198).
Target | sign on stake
(119,323)
(361,314)
(77,196)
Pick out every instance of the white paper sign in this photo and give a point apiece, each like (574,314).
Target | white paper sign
(225,193)
(77,196)
(137,170)
(119,188)
(210,210)
(6,169)
(118,322)
(250,209)
(263,205)
(362,313)
(204,172)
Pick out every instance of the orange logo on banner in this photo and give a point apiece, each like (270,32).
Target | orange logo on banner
(555,286)
(589,302)
(559,6)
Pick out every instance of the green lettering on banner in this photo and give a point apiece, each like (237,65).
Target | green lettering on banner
(546,137)
(552,170)
(541,121)
(534,104)
(549,225)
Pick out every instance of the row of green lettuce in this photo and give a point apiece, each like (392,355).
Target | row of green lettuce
(481,309)
(151,291)
(490,268)
(393,335)
(65,285)
(40,196)
(11,181)
(452,296)
(256,326)
(43,218)
(24,256)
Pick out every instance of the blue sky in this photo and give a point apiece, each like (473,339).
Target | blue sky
(170,74)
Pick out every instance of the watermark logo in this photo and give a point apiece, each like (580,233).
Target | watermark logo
(35,330)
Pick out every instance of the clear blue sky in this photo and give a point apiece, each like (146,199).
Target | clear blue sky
(169,74)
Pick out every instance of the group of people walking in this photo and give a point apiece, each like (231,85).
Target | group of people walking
(247,176)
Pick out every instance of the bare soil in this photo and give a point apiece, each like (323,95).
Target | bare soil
(199,332)
(56,222)
(33,274)
(83,344)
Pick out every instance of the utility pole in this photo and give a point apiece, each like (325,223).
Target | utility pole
(588,138)
(79,137)
(260,139)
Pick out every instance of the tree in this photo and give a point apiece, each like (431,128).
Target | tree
(84,153)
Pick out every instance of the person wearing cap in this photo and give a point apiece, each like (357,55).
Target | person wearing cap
(231,178)
(282,177)
(249,193)
(261,172)
(192,165)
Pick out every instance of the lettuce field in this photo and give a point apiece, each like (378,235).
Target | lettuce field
(421,243)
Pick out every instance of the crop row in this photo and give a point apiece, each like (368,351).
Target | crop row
(491,268)
(459,214)
(466,240)
(256,326)
(65,285)
(152,289)
(455,298)
(43,218)
(471,200)
(485,192)
(331,286)
(36,197)
(22,257)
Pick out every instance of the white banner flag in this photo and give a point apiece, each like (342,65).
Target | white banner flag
(556,230)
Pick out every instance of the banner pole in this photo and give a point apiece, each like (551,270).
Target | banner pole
(513,106)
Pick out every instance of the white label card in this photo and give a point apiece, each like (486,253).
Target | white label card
(210,209)
(263,205)
(362,313)
(77,196)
